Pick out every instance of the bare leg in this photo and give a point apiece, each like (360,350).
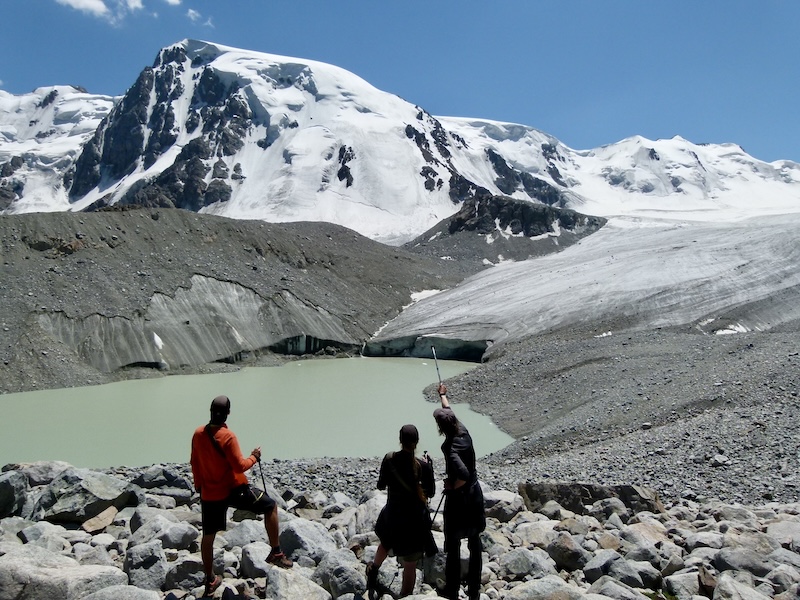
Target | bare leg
(271,525)
(380,555)
(409,578)
(207,554)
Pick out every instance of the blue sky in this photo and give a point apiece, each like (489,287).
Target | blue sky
(588,72)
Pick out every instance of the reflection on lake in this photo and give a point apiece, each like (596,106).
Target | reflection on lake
(314,408)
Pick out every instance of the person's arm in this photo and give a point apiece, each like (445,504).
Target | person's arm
(457,470)
(382,473)
(239,463)
(443,396)
(196,470)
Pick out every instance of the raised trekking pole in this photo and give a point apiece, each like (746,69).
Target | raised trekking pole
(439,375)
(436,362)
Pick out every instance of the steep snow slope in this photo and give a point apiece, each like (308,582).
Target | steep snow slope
(41,135)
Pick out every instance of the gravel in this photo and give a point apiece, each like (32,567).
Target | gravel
(686,414)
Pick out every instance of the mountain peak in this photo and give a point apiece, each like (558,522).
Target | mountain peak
(245,134)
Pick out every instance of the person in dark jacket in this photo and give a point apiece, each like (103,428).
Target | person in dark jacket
(464,515)
(404,524)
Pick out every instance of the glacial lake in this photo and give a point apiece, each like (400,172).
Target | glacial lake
(344,407)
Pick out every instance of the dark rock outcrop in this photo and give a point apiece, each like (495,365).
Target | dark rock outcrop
(576,497)
(516,230)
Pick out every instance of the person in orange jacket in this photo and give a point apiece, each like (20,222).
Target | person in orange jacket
(218,468)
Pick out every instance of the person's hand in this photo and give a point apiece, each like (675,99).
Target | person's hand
(442,389)
(257,453)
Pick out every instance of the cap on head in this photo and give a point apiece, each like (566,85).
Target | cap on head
(220,409)
(409,436)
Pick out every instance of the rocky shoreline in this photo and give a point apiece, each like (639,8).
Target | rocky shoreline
(133,533)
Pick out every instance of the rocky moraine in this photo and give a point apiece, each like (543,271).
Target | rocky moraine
(657,463)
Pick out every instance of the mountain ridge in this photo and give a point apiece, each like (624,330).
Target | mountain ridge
(251,135)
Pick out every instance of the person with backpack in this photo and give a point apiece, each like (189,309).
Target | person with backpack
(464,513)
(218,469)
(404,524)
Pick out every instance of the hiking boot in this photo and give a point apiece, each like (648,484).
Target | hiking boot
(279,559)
(211,586)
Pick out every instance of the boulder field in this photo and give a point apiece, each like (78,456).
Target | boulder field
(133,533)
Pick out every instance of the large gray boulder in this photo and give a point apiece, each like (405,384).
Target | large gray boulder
(13,489)
(40,472)
(46,535)
(285,583)
(185,573)
(301,537)
(550,587)
(143,514)
(179,536)
(345,521)
(603,509)
(729,588)
(600,564)
(607,586)
(86,554)
(520,563)
(626,572)
(166,482)
(783,578)
(254,560)
(123,592)
(743,559)
(28,572)
(577,496)
(346,579)
(146,565)
(786,532)
(503,505)
(150,530)
(367,512)
(77,495)
(245,532)
(684,586)
(537,533)
(566,552)
(332,561)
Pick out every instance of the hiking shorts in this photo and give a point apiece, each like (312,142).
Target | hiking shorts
(244,497)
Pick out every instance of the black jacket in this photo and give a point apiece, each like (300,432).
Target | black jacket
(464,514)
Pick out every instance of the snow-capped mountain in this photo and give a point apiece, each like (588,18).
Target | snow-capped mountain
(251,135)
(41,136)
(681,234)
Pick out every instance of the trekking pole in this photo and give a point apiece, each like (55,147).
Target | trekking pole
(436,362)
(261,470)
(438,507)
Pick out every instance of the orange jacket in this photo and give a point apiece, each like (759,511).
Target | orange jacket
(214,475)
